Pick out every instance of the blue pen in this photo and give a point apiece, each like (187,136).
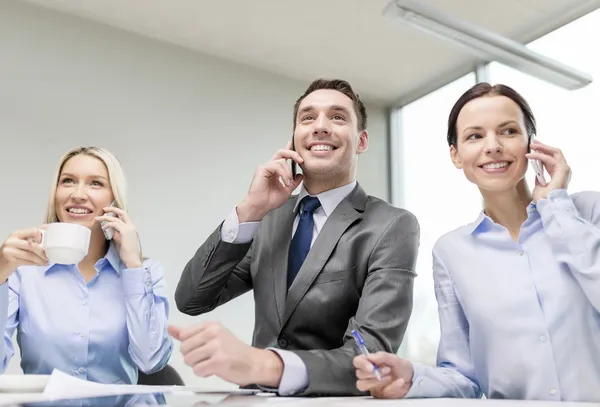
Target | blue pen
(361,345)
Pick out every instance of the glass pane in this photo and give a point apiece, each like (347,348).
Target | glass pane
(566,119)
(438,194)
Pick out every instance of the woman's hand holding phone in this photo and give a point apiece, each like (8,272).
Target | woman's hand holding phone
(555,164)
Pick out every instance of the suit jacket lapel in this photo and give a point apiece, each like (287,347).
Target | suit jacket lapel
(344,215)
(282,236)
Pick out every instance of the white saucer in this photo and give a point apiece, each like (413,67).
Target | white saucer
(28,383)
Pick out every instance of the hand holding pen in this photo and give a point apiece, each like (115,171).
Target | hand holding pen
(383,374)
(363,349)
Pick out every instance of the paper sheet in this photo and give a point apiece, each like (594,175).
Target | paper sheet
(64,386)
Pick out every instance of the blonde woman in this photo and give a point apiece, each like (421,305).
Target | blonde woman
(102,319)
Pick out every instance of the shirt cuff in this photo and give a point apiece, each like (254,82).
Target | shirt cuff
(558,199)
(295,375)
(417,381)
(136,281)
(234,232)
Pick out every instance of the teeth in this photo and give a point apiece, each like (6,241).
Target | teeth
(321,147)
(79,211)
(494,166)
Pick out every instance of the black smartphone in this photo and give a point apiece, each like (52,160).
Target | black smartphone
(294,170)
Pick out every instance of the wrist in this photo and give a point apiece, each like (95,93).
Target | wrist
(247,212)
(133,264)
(268,368)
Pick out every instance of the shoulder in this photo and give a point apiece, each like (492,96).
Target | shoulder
(452,241)
(389,216)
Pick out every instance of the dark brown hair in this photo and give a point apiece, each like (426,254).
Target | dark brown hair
(342,87)
(485,89)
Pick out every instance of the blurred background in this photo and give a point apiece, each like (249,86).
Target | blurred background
(193,95)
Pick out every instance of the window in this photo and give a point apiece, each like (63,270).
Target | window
(440,197)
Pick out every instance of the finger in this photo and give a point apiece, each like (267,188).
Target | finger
(359,361)
(277,170)
(288,155)
(204,369)
(537,145)
(372,384)
(108,218)
(28,246)
(25,257)
(174,331)
(200,354)
(31,233)
(383,358)
(117,226)
(197,341)
(121,214)
(548,161)
(370,374)
(394,390)
(287,170)
(188,332)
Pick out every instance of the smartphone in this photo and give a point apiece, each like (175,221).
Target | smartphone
(538,168)
(294,169)
(109,232)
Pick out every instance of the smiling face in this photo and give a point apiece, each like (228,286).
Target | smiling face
(83,190)
(327,136)
(491,143)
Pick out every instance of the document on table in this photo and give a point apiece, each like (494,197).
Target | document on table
(64,386)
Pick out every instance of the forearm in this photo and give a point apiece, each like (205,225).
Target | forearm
(150,345)
(575,242)
(208,279)
(441,382)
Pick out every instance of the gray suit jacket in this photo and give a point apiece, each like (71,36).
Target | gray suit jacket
(358,275)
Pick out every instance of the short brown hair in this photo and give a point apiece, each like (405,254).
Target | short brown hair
(342,87)
(485,89)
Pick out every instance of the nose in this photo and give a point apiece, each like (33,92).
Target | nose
(322,126)
(79,194)
(492,145)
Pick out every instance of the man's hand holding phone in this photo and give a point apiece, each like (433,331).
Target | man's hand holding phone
(271,187)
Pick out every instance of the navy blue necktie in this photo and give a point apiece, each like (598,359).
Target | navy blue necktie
(300,244)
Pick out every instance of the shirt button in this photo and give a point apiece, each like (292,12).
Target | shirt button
(147,275)
(81,370)
(148,283)
(81,334)
(553,391)
(231,235)
(543,338)
(84,302)
(520,252)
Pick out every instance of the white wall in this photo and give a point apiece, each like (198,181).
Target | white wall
(188,128)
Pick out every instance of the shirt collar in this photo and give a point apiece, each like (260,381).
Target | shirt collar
(329,199)
(111,257)
(483,222)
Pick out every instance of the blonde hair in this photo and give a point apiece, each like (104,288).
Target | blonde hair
(116,178)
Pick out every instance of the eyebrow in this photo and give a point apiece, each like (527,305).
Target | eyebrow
(336,108)
(66,174)
(501,125)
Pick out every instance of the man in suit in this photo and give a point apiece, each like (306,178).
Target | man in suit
(322,263)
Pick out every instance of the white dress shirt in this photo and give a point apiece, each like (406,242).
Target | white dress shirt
(295,375)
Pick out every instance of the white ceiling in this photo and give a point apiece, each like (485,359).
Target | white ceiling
(387,61)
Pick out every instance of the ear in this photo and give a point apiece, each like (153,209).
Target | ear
(455,157)
(363,142)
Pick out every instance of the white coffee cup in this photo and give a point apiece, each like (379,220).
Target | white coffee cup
(66,243)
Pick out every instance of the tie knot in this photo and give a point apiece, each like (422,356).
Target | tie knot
(310,204)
